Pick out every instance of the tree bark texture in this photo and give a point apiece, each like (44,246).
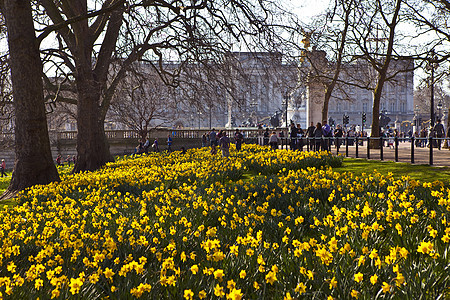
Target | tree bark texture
(34,163)
(92,145)
(91,80)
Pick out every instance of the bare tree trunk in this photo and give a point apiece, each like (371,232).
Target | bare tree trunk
(376,116)
(92,144)
(33,164)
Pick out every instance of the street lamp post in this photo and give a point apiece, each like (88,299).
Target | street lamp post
(253,105)
(286,103)
(416,118)
(431,66)
(439,107)
(210,117)
(432,98)
(199,118)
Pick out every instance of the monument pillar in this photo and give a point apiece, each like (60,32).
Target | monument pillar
(315,88)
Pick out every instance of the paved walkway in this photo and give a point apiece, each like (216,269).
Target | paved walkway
(421,155)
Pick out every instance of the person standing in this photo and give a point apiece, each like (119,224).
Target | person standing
(146,145)
(169,143)
(423,137)
(300,135)
(273,141)
(218,136)
(326,131)
(439,132)
(338,134)
(3,167)
(294,136)
(224,144)
(239,138)
(155,145)
(204,139)
(310,135)
(266,137)
(59,160)
(212,137)
(318,134)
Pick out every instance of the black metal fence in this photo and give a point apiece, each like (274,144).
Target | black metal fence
(374,147)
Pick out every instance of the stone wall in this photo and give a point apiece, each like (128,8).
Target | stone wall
(123,142)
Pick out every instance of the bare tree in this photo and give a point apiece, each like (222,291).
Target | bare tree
(33,163)
(431,20)
(94,36)
(340,42)
(142,102)
(369,18)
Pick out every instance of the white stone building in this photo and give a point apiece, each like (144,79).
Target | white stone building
(246,89)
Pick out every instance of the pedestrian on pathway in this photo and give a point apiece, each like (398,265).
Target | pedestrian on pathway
(273,141)
(439,132)
(59,160)
(224,144)
(266,137)
(294,136)
(3,167)
(310,136)
(239,138)
(212,137)
(318,134)
(169,143)
(155,145)
(326,131)
(338,134)
(204,139)
(146,145)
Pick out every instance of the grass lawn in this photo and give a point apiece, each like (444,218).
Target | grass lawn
(418,172)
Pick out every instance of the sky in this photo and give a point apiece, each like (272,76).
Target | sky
(306,9)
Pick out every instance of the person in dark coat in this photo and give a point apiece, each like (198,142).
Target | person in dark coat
(318,134)
(310,135)
(294,136)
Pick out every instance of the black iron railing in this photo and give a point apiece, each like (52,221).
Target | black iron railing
(375,147)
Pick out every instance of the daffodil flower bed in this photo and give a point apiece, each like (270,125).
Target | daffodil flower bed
(173,226)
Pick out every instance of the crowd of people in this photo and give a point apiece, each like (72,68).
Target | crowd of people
(322,136)
(60,161)
(144,145)
(317,137)
(222,140)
